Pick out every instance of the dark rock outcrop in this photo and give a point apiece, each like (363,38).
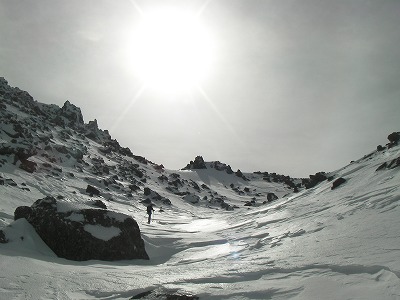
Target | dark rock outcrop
(99,204)
(389,165)
(338,182)
(393,138)
(315,179)
(91,190)
(271,197)
(250,203)
(394,163)
(113,146)
(198,163)
(28,166)
(71,115)
(382,166)
(162,294)
(219,166)
(84,233)
(380,148)
(239,173)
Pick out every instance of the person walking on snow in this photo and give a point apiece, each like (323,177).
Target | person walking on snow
(150,210)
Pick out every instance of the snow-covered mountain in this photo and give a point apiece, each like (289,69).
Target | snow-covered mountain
(217,233)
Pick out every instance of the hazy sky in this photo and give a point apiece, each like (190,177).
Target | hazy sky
(295,86)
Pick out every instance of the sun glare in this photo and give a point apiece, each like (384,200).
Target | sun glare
(172,51)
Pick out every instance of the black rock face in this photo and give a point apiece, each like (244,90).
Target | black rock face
(84,234)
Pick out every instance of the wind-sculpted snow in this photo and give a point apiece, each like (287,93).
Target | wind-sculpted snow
(318,243)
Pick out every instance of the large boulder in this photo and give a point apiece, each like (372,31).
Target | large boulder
(338,182)
(271,197)
(91,190)
(28,166)
(82,233)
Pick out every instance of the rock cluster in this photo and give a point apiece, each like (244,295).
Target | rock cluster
(314,179)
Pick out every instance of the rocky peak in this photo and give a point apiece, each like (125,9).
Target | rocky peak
(72,113)
(198,163)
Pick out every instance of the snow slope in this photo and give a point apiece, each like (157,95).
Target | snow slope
(319,243)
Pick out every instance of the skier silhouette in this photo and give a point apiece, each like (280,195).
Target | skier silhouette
(150,210)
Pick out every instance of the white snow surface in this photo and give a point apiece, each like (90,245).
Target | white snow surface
(102,232)
(316,244)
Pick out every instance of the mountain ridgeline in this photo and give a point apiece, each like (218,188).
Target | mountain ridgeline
(38,137)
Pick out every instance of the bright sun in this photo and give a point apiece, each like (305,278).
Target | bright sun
(172,51)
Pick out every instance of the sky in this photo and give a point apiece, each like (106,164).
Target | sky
(292,87)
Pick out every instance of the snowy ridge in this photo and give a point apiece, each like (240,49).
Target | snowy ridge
(321,242)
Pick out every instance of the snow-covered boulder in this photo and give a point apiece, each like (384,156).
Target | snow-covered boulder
(83,233)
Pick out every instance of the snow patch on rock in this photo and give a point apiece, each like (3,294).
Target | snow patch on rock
(102,232)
